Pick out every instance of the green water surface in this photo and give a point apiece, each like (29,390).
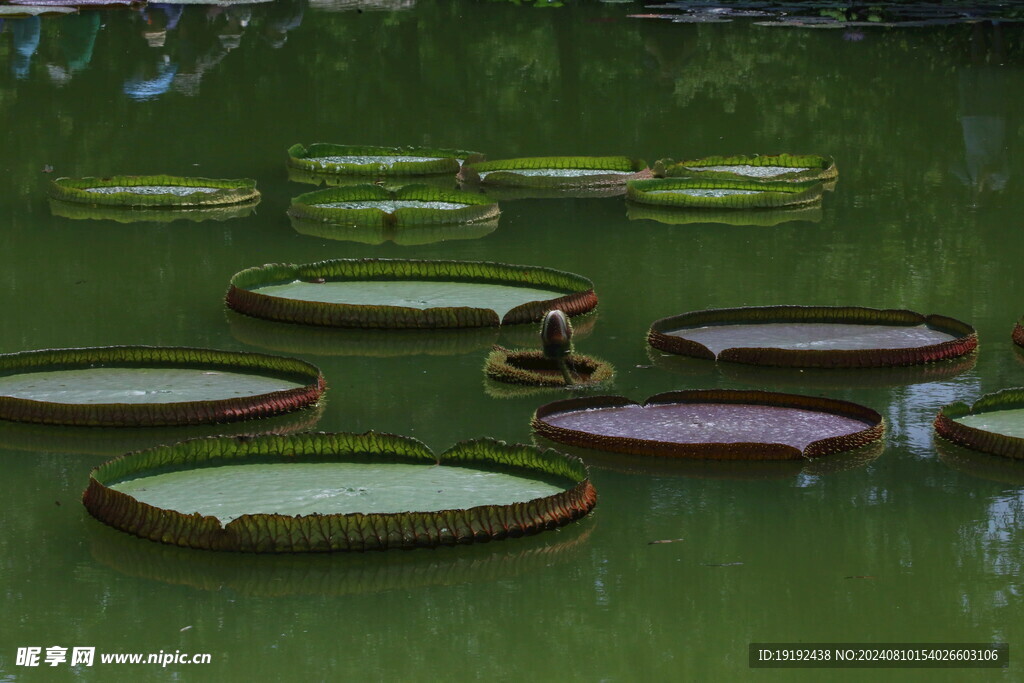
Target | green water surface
(925,127)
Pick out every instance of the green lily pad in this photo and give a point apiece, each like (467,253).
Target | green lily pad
(814,336)
(154,191)
(394,293)
(325,492)
(563,173)
(129,386)
(407,207)
(723,193)
(774,167)
(376,161)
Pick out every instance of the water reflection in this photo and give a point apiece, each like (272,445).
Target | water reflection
(983,89)
(803,472)
(176,44)
(113,441)
(328,574)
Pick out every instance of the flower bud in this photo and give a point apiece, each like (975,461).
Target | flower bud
(556,335)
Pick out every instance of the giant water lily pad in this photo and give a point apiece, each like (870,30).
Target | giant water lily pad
(562,173)
(326,492)
(154,191)
(142,386)
(374,161)
(723,193)
(993,424)
(770,167)
(396,293)
(408,207)
(814,336)
(714,424)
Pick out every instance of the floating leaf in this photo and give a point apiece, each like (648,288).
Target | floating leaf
(130,386)
(412,206)
(760,167)
(154,191)
(722,193)
(993,424)
(375,161)
(559,173)
(396,293)
(814,336)
(258,531)
(713,424)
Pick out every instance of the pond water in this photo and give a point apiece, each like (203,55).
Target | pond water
(925,126)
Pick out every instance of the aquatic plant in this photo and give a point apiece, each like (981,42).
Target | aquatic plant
(766,167)
(371,206)
(405,293)
(555,172)
(814,336)
(154,191)
(992,424)
(257,531)
(714,424)
(145,386)
(368,160)
(534,368)
(722,193)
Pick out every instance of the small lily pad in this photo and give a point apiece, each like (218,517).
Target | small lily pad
(376,161)
(774,167)
(561,173)
(154,191)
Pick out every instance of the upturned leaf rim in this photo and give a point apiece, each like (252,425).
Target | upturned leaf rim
(307,206)
(445,161)
(763,194)
(976,439)
(579,296)
(160,414)
(873,431)
(816,167)
(275,533)
(965,341)
(229,191)
(504,172)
